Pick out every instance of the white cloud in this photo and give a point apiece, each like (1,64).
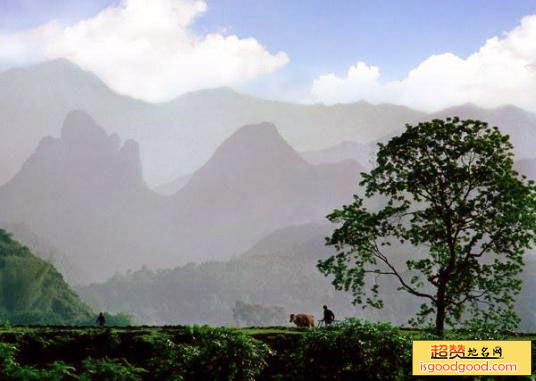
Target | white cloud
(501,72)
(146,49)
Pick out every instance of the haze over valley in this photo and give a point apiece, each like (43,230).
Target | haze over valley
(244,218)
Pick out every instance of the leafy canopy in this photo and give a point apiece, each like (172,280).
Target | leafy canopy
(448,189)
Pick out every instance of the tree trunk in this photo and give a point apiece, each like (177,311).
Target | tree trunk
(440,318)
(441,304)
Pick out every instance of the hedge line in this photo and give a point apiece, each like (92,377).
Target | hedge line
(355,350)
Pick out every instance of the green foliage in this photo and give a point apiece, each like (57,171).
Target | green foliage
(113,370)
(7,358)
(32,291)
(58,371)
(257,315)
(449,187)
(172,360)
(11,370)
(212,354)
(230,355)
(196,353)
(355,350)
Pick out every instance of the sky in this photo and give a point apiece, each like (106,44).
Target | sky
(420,53)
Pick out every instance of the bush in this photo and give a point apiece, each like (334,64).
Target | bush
(173,361)
(355,349)
(11,370)
(362,349)
(211,354)
(112,370)
(229,355)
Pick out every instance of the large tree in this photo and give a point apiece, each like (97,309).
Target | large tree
(449,194)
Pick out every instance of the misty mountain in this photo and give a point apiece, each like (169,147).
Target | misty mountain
(253,184)
(35,100)
(278,270)
(169,188)
(84,192)
(175,137)
(362,153)
(518,123)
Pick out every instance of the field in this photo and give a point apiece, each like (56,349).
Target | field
(358,349)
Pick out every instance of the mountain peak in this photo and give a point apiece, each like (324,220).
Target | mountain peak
(84,160)
(80,128)
(54,68)
(216,94)
(510,108)
(60,62)
(257,131)
(257,143)
(468,106)
(255,154)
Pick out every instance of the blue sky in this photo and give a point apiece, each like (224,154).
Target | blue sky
(322,36)
(19,14)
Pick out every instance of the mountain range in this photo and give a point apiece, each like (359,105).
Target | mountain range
(178,137)
(84,192)
(244,199)
(279,270)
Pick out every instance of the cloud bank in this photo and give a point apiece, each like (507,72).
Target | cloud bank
(146,49)
(502,71)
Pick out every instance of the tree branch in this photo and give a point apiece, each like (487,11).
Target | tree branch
(412,291)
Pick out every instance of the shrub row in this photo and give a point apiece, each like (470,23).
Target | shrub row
(354,350)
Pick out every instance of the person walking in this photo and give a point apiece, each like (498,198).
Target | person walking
(329,316)
(101,320)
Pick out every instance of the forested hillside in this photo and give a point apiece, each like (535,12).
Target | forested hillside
(32,291)
(280,270)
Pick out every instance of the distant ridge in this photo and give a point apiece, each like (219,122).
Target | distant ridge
(279,269)
(254,183)
(178,136)
(84,193)
(175,137)
(519,124)
(362,153)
